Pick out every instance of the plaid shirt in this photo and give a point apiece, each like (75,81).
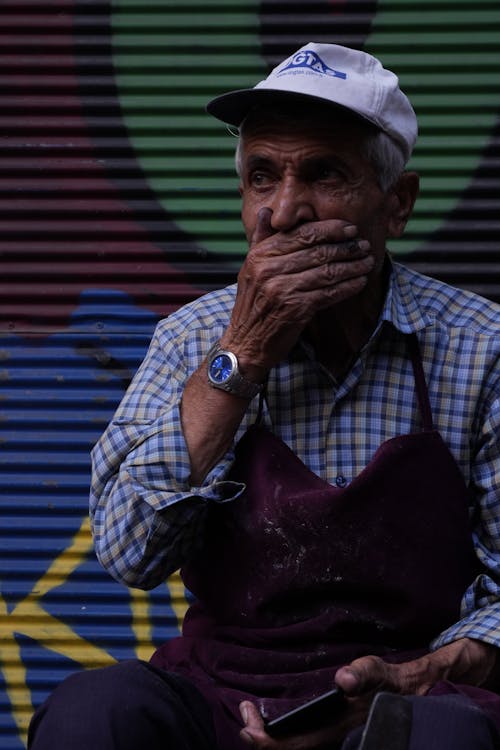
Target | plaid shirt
(146,516)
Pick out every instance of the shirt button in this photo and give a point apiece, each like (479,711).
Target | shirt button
(340,480)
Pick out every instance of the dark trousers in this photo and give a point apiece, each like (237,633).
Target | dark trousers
(133,705)
(128,706)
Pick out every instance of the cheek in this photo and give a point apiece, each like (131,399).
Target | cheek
(343,204)
(371,215)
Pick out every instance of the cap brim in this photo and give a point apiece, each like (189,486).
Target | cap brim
(234,106)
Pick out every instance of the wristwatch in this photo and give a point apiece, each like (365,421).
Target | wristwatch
(223,372)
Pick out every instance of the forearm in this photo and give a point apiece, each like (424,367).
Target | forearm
(210,418)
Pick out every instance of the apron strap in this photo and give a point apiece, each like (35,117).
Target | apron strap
(420,382)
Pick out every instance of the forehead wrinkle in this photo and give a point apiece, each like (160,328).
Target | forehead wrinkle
(258,160)
(268,141)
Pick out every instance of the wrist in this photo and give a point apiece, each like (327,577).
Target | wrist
(224,373)
(249,360)
(468,660)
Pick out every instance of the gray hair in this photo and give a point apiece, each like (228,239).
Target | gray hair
(383,153)
(385,156)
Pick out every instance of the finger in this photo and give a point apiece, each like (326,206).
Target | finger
(331,274)
(252,718)
(328,230)
(250,714)
(364,675)
(322,279)
(253,732)
(263,229)
(371,673)
(305,236)
(317,257)
(297,307)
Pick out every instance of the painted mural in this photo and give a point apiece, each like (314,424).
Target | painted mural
(118,203)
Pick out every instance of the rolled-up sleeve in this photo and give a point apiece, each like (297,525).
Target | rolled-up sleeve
(480,611)
(145,515)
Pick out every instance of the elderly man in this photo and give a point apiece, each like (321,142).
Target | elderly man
(317,448)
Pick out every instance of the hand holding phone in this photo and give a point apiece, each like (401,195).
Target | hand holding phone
(309,716)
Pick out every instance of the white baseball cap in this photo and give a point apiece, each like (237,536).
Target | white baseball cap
(333,74)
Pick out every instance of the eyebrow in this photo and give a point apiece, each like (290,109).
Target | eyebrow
(257,161)
(314,162)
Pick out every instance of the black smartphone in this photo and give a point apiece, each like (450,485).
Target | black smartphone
(309,716)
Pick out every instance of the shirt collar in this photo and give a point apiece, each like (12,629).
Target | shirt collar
(401,307)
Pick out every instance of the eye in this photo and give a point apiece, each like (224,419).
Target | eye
(324,170)
(327,172)
(260,179)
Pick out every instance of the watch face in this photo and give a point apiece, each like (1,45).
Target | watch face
(221,368)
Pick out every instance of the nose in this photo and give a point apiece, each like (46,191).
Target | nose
(291,205)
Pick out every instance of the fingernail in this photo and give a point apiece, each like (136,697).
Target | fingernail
(353,679)
(364,245)
(244,713)
(350,230)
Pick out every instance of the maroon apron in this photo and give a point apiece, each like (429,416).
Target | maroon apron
(297,577)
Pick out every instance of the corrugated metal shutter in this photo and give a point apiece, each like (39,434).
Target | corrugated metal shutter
(118,203)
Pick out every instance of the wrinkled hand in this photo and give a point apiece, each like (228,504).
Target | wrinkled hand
(464,661)
(327,738)
(289,276)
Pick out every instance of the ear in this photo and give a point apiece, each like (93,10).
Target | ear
(404,194)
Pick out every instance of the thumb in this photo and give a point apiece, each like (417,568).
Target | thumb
(263,229)
(363,675)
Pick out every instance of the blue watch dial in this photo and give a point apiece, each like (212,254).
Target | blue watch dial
(221,368)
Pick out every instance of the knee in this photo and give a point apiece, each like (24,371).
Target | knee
(84,698)
(97,688)
(129,705)
(121,687)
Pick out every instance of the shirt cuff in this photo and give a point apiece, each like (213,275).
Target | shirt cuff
(481,625)
(159,468)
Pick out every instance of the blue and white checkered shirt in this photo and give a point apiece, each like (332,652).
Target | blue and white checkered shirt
(145,514)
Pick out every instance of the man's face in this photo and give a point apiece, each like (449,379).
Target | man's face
(312,171)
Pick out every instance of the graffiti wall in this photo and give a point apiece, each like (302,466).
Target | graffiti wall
(118,203)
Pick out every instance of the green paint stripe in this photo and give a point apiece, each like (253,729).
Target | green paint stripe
(446,53)
(459,110)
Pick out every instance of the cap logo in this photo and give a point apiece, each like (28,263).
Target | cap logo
(309,59)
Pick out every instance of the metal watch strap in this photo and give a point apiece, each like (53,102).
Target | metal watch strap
(238,385)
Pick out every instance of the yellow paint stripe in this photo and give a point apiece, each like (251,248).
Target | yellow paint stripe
(14,674)
(141,623)
(55,635)
(65,563)
(178,600)
(29,618)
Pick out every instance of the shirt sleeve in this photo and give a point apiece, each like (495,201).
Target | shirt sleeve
(480,610)
(145,515)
